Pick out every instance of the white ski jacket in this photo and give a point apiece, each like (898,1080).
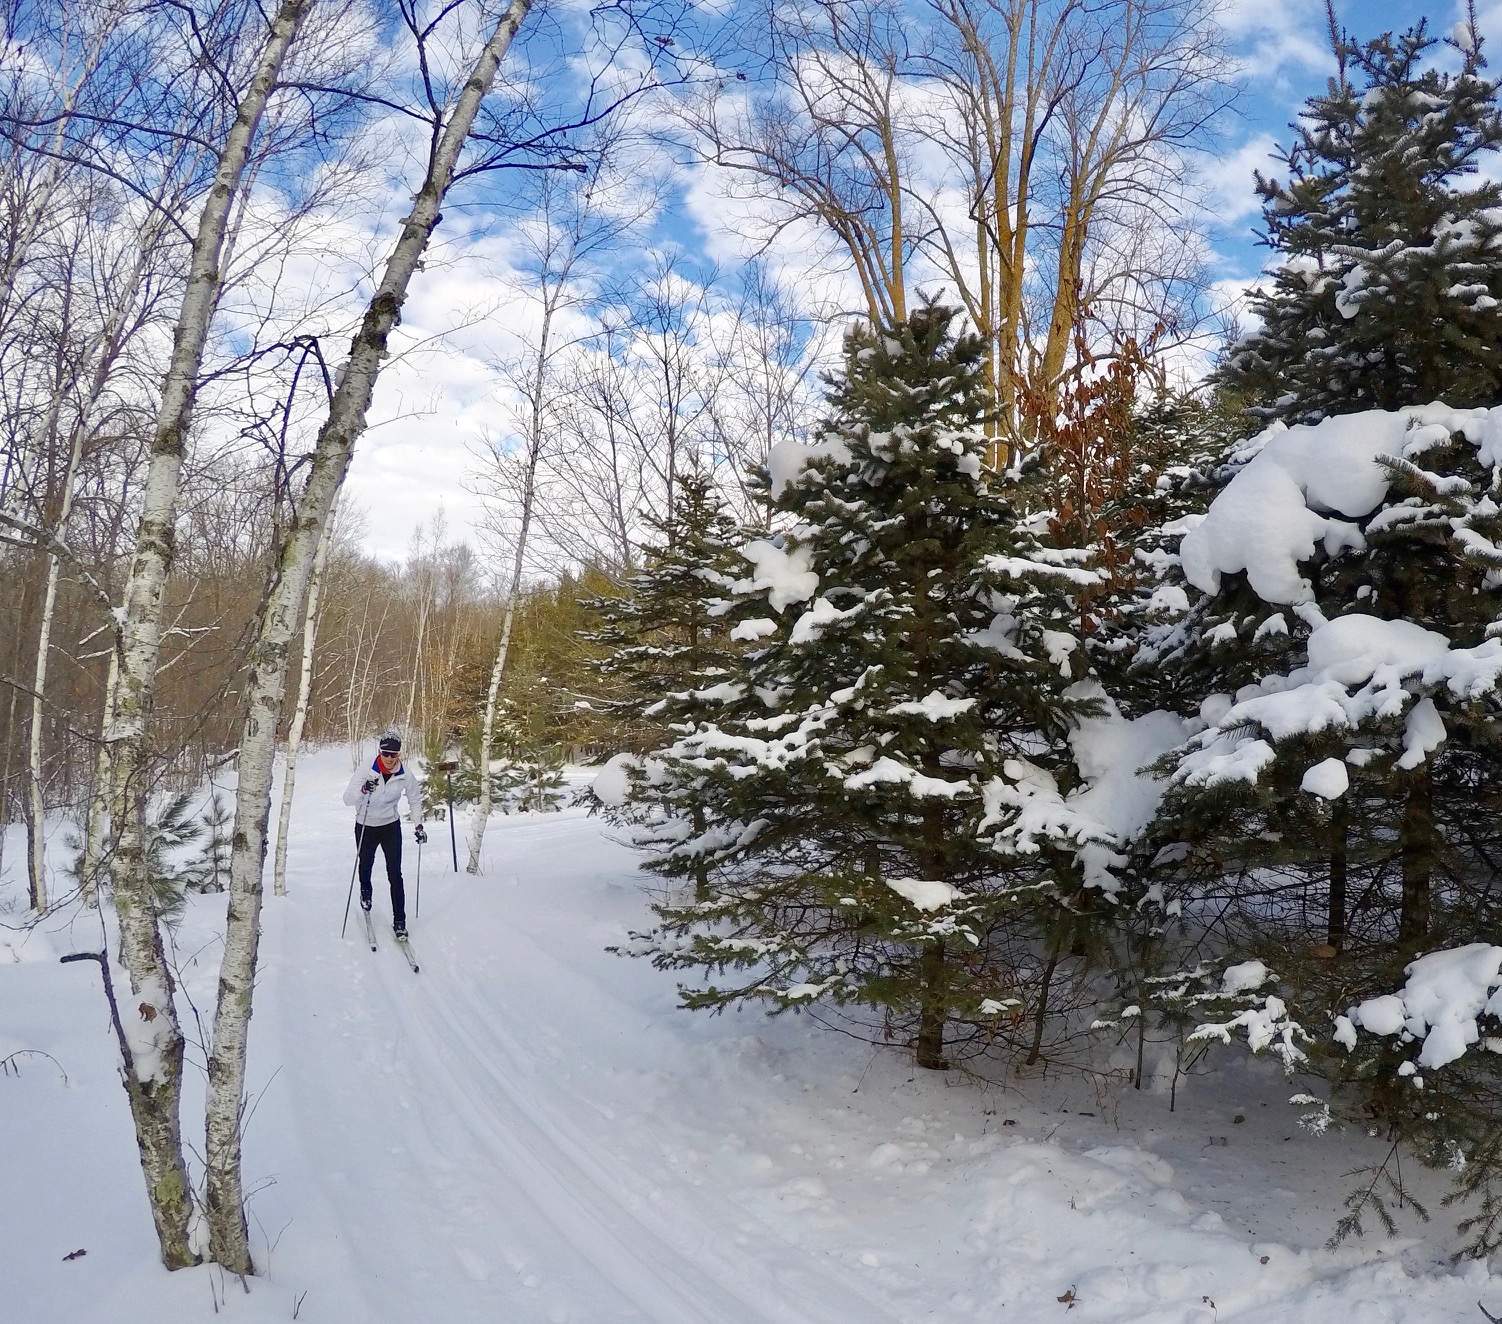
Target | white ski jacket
(385,801)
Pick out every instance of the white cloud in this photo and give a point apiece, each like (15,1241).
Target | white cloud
(1274,38)
(1227,180)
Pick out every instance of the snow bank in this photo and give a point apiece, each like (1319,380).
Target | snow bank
(588,1152)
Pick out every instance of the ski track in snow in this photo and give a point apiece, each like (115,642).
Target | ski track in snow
(542,1221)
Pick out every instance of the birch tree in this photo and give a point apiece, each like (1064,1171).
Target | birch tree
(266,681)
(154,1081)
(566,235)
(300,712)
(634,409)
(80,388)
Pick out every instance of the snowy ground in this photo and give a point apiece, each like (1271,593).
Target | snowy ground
(529,1131)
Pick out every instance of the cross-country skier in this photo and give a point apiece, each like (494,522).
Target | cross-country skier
(377,792)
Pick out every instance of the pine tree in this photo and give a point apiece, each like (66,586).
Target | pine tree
(1387,290)
(1340,800)
(881,792)
(178,859)
(669,655)
(218,824)
(525,767)
(665,636)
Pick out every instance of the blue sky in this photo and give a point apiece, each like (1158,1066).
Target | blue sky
(433,406)
(1284,52)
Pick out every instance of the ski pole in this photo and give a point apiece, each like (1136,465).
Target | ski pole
(417,909)
(359,841)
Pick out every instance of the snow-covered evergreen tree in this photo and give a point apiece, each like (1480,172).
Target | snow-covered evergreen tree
(669,655)
(883,792)
(1330,799)
(525,770)
(666,635)
(1179,448)
(1387,290)
(1343,647)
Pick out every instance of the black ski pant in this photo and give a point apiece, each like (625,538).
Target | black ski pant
(389,838)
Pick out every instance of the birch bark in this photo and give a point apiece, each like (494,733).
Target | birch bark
(101,352)
(37,841)
(265,683)
(518,561)
(155,1088)
(99,797)
(300,713)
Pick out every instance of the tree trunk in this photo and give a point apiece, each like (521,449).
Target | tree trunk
(36,826)
(487,723)
(10,717)
(422,630)
(1041,1017)
(36,836)
(155,1103)
(518,563)
(1417,830)
(300,713)
(99,797)
(95,360)
(265,683)
(1335,927)
(934,973)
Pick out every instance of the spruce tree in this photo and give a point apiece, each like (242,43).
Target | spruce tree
(1387,290)
(669,654)
(1344,641)
(665,637)
(1340,801)
(1181,443)
(525,766)
(881,794)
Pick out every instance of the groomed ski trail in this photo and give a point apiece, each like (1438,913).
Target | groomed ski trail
(492,1186)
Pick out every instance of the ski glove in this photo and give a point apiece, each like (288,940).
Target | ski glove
(370,784)
(421,833)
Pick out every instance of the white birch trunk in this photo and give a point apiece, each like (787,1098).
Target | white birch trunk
(104,344)
(529,488)
(422,629)
(155,1093)
(99,797)
(300,713)
(487,733)
(36,862)
(266,679)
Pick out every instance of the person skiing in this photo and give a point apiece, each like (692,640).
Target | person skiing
(377,791)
